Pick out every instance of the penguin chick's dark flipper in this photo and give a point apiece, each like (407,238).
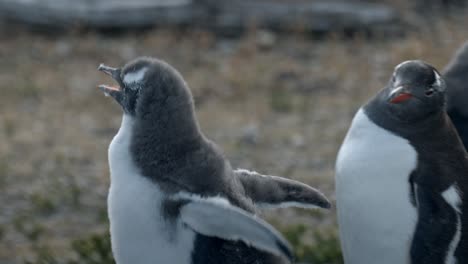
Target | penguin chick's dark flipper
(275,192)
(435,229)
(216,217)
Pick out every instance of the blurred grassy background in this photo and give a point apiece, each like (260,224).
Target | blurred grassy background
(276,103)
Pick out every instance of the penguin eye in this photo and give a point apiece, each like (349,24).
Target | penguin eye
(429,92)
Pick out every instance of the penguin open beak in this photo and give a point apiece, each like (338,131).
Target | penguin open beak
(114,91)
(399,95)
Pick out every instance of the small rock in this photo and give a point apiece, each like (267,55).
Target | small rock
(266,39)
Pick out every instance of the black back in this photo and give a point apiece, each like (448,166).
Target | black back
(456,76)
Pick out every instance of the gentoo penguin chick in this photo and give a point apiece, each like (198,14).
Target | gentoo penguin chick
(401,176)
(456,77)
(174,198)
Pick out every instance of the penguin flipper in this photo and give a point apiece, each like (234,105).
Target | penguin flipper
(275,192)
(436,228)
(215,217)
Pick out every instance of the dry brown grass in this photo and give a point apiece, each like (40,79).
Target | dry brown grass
(281,110)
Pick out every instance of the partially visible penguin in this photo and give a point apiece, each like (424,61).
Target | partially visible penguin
(174,198)
(401,176)
(456,77)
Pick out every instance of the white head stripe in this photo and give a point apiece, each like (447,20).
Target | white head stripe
(132,77)
(438,82)
(401,64)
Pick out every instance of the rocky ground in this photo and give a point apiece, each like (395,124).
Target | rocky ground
(279,104)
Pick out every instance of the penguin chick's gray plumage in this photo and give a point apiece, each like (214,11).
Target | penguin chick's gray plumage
(174,198)
(401,176)
(456,77)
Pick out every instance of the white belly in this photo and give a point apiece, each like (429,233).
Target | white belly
(376,218)
(139,234)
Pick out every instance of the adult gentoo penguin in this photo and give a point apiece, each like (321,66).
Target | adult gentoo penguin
(456,77)
(401,176)
(174,198)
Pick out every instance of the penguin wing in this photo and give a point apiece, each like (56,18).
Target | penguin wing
(216,217)
(275,192)
(438,227)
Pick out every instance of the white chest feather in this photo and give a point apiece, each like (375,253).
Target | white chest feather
(139,234)
(376,217)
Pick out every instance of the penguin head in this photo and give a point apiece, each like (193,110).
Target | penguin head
(415,90)
(147,85)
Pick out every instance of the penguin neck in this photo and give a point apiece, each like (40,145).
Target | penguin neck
(167,129)
(434,123)
(164,139)
(422,132)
